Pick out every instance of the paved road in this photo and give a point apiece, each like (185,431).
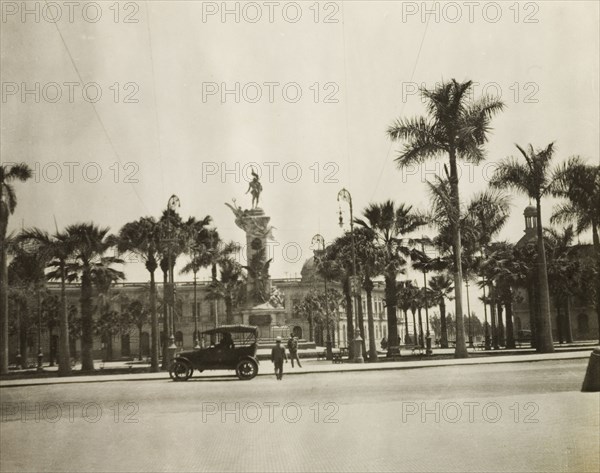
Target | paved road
(508,417)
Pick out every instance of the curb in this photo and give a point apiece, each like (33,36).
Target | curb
(366,367)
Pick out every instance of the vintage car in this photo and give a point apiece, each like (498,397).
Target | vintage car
(230,347)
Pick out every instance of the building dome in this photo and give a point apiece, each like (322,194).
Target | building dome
(309,270)
(530,211)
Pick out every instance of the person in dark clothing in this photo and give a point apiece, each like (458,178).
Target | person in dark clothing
(292,345)
(226,341)
(277,356)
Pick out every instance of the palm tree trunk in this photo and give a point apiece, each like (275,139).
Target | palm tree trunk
(421,339)
(23,329)
(371,323)
(559,320)
(510,333)
(493,317)
(87,322)
(406,334)
(544,324)
(349,318)
(390,302)
(415,335)
(444,326)
(3,308)
(229,309)
(109,346)
(153,314)
(567,315)
(64,355)
(140,329)
(501,340)
(533,306)
(461,344)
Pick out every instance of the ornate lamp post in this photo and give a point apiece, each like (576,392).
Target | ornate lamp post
(172,205)
(319,241)
(344,195)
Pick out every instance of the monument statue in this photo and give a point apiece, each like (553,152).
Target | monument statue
(264,304)
(255,188)
(256,227)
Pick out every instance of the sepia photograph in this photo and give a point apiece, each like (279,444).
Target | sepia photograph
(300,236)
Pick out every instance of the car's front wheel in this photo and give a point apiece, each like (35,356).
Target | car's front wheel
(180,371)
(246,369)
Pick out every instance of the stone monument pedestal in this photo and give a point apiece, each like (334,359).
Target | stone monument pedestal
(264,316)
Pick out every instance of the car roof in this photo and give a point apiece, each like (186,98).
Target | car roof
(233,329)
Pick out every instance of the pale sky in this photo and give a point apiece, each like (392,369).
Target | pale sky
(180,135)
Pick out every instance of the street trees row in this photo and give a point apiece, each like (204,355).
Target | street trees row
(455,127)
(81,253)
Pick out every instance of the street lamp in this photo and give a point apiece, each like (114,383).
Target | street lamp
(172,205)
(319,241)
(344,195)
(488,343)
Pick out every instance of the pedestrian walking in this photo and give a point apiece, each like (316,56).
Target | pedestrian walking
(292,345)
(277,356)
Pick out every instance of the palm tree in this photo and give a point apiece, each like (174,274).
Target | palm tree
(55,250)
(502,269)
(336,264)
(199,239)
(173,240)
(457,127)
(215,251)
(404,300)
(389,225)
(533,179)
(142,237)
(369,259)
(441,287)
(8,203)
(26,276)
(137,313)
(579,183)
(487,213)
(109,321)
(90,243)
(229,286)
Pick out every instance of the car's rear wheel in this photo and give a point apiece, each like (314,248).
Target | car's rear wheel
(180,371)
(246,369)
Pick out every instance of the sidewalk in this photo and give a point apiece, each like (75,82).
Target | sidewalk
(312,367)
